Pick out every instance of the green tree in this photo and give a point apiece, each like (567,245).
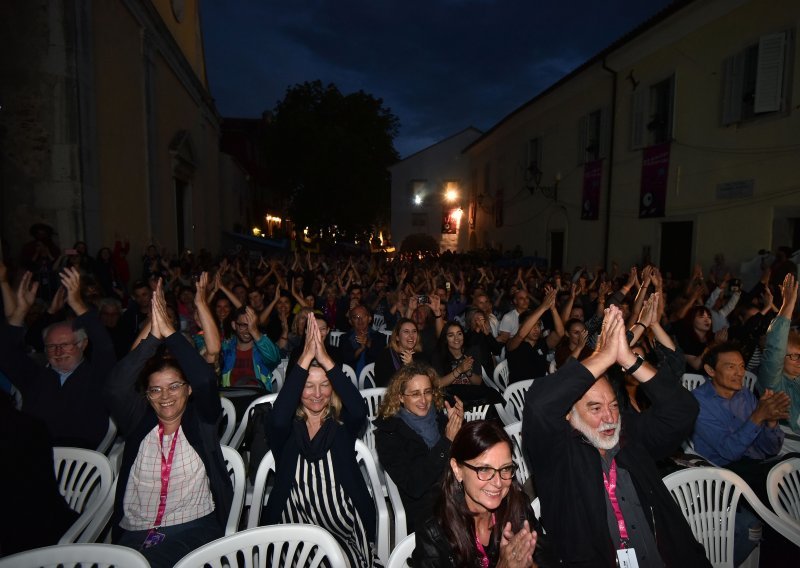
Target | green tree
(329,156)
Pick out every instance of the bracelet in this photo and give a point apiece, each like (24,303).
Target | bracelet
(635,367)
(641,324)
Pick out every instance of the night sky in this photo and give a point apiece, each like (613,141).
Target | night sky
(440,65)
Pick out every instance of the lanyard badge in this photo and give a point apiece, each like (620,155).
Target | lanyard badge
(153,536)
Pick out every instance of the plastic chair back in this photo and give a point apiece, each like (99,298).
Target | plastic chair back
(108,439)
(275,545)
(84,479)
(402,552)
(367,374)
(235,466)
(514,396)
(260,493)
(229,419)
(750,380)
(238,436)
(365,459)
(373,397)
(74,555)
(378,322)
(397,508)
(500,375)
(334,337)
(708,497)
(691,381)
(514,432)
(278,377)
(476,413)
(783,490)
(350,373)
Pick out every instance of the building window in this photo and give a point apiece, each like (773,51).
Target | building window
(653,113)
(593,133)
(754,79)
(534,152)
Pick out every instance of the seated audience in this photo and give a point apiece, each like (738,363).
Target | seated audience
(361,345)
(404,348)
(527,351)
(248,356)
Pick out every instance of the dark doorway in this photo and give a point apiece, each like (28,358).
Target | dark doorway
(676,248)
(556,250)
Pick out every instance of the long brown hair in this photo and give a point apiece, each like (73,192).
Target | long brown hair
(395,338)
(450,509)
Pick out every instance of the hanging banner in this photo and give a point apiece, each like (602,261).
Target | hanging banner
(655,170)
(450,221)
(592,177)
(498,207)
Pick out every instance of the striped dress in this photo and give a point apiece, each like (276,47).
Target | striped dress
(316,498)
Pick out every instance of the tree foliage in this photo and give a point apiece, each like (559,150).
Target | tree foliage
(329,155)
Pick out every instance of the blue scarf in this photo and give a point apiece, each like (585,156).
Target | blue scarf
(426,426)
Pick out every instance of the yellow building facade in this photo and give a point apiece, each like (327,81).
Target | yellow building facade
(690,124)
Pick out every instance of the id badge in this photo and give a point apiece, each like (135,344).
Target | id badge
(626,558)
(153,538)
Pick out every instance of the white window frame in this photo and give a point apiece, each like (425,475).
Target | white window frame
(642,114)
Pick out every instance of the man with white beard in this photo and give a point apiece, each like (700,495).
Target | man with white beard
(594,469)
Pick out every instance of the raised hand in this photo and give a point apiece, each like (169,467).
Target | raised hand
(26,293)
(455,418)
(160,317)
(516,550)
(200,292)
(71,280)
(58,301)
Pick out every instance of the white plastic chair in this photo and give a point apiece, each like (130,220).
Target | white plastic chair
(783,490)
(500,375)
(99,524)
(514,396)
(707,497)
(367,374)
(402,552)
(108,440)
(476,413)
(238,436)
(488,380)
(275,545)
(514,432)
(235,466)
(229,415)
(750,380)
(691,381)
(334,337)
(398,509)
(373,397)
(378,322)
(537,508)
(73,555)
(350,373)
(84,479)
(260,493)
(368,462)
(277,379)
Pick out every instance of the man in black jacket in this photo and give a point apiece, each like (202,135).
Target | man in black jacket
(67,394)
(595,469)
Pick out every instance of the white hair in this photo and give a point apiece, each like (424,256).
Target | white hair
(593,435)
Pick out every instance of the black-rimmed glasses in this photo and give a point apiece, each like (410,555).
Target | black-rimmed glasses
(486,473)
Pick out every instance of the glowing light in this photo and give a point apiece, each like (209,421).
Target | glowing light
(417,200)
(457,214)
(256,232)
(305,231)
(451,195)
(273,219)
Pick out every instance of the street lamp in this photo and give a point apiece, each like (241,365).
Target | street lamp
(533,181)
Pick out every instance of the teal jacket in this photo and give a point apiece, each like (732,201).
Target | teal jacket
(265,358)
(770,373)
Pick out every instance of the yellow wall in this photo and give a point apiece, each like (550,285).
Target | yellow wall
(186,33)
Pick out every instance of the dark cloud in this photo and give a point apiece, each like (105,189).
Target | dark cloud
(440,65)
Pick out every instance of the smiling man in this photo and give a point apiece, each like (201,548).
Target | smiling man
(595,471)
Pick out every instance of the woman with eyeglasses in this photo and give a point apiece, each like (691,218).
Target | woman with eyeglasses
(413,437)
(482,517)
(173,491)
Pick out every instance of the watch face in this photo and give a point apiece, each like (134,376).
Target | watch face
(177,9)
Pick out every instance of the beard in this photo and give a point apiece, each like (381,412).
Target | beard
(594,435)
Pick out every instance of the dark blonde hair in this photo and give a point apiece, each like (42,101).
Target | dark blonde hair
(334,408)
(397,384)
(395,338)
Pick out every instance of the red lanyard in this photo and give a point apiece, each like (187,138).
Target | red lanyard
(610,481)
(481,550)
(166,468)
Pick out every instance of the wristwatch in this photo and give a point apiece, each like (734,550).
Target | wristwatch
(635,367)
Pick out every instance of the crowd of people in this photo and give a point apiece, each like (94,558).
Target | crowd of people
(83,339)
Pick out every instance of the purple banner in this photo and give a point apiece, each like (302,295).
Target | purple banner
(655,170)
(592,178)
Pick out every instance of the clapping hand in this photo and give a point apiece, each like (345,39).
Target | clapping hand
(455,418)
(516,550)
(160,323)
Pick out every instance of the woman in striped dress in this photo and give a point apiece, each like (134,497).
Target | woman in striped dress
(312,431)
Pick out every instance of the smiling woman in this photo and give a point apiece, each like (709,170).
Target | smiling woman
(174,493)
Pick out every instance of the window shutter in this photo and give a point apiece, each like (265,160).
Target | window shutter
(583,138)
(637,118)
(769,77)
(605,131)
(732,84)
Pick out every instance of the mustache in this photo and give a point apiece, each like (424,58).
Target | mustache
(605,426)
